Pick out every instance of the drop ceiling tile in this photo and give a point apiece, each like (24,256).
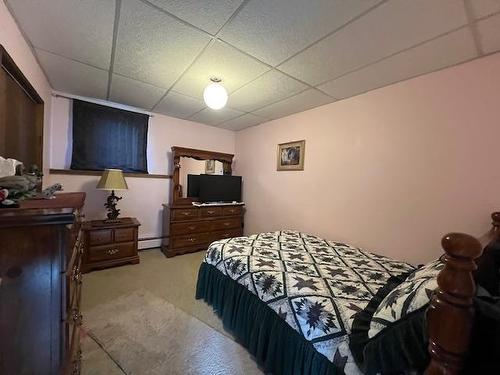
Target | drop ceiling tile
(436,54)
(391,27)
(209,15)
(80,30)
(222,61)
(483,8)
(154,47)
(242,122)
(178,105)
(74,77)
(134,93)
(268,88)
(275,30)
(211,117)
(489,33)
(303,101)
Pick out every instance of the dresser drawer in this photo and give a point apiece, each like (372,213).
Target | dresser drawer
(189,240)
(124,234)
(228,223)
(100,237)
(210,211)
(232,210)
(112,251)
(192,227)
(184,213)
(222,234)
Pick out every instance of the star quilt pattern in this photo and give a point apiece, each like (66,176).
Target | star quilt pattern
(315,285)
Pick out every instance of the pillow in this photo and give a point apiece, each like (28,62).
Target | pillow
(409,296)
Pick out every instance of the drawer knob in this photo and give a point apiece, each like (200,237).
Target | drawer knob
(231,211)
(191,239)
(210,212)
(186,213)
(227,224)
(112,251)
(192,227)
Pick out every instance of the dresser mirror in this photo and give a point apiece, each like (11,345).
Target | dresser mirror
(191,166)
(192,161)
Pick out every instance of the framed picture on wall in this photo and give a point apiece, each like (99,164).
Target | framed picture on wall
(291,156)
(210,167)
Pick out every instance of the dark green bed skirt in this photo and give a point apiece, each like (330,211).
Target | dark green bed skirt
(278,348)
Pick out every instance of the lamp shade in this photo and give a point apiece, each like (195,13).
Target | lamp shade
(112,179)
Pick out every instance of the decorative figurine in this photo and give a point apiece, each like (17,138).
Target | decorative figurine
(49,193)
(110,204)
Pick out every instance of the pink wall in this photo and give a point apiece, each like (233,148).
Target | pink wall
(391,170)
(145,196)
(15,44)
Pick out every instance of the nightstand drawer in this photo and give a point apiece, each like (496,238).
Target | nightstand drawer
(184,213)
(210,211)
(189,240)
(193,227)
(232,210)
(124,234)
(111,251)
(226,223)
(100,237)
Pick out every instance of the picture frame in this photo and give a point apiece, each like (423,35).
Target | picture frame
(210,166)
(290,156)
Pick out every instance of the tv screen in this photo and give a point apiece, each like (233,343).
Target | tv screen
(193,188)
(220,188)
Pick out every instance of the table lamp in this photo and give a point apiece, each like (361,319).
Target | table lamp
(112,179)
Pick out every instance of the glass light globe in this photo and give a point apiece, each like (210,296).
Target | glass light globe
(215,96)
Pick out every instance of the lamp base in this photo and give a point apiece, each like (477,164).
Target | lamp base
(113,212)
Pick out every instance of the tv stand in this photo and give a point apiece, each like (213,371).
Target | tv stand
(190,228)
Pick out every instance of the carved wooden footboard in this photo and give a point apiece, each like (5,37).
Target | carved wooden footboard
(450,316)
(451,313)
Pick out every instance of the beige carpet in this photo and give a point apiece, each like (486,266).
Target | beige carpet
(144,334)
(144,319)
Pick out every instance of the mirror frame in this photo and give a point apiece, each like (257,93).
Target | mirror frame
(178,152)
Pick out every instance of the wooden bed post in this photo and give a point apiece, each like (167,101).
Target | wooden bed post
(451,313)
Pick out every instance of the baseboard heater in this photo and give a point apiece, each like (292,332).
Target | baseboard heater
(150,242)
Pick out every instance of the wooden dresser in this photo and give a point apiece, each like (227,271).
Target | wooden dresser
(110,244)
(41,250)
(193,228)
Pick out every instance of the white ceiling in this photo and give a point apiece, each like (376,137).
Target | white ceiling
(275,57)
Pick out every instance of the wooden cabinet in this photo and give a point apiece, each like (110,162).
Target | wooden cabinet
(192,228)
(41,251)
(110,244)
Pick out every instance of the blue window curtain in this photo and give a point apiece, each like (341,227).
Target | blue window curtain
(106,137)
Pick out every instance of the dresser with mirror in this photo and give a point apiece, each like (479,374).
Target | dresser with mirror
(189,223)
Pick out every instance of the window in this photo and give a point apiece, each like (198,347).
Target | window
(106,137)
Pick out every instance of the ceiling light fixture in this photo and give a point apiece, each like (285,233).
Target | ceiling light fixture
(215,95)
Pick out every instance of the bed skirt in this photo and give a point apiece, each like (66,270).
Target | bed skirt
(278,348)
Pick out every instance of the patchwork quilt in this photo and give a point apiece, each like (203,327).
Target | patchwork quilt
(315,285)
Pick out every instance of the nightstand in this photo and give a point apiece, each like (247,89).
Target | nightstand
(110,244)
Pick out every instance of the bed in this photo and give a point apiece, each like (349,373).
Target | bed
(305,305)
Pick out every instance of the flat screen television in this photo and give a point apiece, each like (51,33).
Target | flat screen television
(214,188)
(193,188)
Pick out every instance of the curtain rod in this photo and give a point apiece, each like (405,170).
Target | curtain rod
(100,102)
